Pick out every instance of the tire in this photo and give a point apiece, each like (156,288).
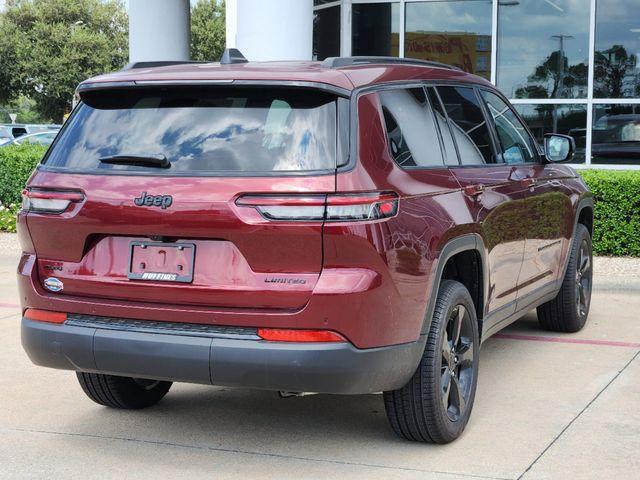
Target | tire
(122,392)
(569,310)
(417,410)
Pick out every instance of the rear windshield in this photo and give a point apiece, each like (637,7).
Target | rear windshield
(213,130)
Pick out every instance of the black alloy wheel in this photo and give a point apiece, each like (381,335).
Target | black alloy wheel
(457,363)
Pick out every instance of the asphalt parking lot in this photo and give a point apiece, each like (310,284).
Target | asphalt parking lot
(547,406)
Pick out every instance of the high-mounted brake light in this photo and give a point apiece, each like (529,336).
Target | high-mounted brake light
(340,207)
(304,336)
(45,316)
(49,201)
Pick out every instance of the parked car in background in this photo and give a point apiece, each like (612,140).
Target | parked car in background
(5,135)
(616,139)
(19,129)
(352,226)
(40,138)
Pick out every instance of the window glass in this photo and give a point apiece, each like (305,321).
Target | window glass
(543,48)
(454,32)
(516,143)
(564,119)
(202,129)
(450,153)
(375,29)
(411,131)
(326,33)
(617,71)
(468,124)
(616,134)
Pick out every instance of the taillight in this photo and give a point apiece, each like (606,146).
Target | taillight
(339,207)
(49,201)
(304,336)
(285,207)
(45,316)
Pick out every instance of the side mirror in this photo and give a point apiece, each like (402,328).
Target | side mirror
(558,148)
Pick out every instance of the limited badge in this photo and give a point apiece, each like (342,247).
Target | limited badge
(53,284)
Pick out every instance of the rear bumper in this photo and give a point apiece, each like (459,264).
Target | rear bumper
(220,358)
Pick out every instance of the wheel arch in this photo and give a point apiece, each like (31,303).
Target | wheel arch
(584,216)
(464,250)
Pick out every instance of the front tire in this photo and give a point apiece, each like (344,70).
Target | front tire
(122,392)
(435,405)
(569,310)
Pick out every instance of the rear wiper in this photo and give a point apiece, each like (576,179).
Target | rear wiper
(156,161)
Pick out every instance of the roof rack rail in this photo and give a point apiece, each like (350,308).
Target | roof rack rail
(158,63)
(337,62)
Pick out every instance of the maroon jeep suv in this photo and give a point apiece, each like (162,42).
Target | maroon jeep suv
(351,226)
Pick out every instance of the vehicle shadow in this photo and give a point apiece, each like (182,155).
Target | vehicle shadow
(313,426)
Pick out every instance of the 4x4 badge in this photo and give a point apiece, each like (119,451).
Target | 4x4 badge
(163,201)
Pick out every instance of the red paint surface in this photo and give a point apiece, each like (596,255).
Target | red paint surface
(368,281)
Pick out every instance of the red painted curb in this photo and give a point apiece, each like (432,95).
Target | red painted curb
(538,338)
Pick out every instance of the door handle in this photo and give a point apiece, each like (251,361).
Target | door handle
(528,182)
(474,190)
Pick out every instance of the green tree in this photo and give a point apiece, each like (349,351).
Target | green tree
(207,30)
(55,44)
(611,68)
(563,76)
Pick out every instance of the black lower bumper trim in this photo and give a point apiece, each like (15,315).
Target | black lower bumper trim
(240,362)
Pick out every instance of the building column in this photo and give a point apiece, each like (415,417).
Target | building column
(271,30)
(159,30)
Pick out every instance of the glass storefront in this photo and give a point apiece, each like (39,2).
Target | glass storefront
(543,48)
(569,66)
(375,29)
(554,118)
(326,32)
(616,134)
(617,73)
(442,31)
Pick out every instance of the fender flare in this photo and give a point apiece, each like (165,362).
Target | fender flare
(585,202)
(463,243)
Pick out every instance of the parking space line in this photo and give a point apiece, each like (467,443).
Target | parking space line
(9,305)
(581,341)
(586,407)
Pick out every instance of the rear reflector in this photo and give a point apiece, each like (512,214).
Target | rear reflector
(49,201)
(346,207)
(286,335)
(45,316)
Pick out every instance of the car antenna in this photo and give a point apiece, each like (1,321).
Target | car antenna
(231,56)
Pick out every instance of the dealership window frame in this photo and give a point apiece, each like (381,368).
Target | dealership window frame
(590,102)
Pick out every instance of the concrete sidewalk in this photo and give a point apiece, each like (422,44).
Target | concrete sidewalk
(548,406)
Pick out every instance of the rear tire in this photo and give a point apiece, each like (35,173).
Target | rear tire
(122,392)
(435,404)
(569,310)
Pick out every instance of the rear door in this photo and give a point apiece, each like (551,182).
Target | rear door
(490,195)
(184,225)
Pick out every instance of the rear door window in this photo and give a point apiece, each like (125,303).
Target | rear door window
(450,152)
(201,130)
(468,124)
(411,130)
